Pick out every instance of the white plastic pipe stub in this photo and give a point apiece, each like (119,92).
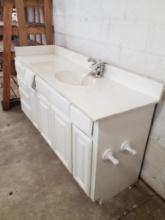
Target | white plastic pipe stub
(108,156)
(126,146)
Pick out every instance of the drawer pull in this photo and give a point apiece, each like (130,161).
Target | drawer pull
(108,156)
(126,146)
(34,83)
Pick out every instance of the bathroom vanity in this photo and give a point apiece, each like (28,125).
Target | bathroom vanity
(98,127)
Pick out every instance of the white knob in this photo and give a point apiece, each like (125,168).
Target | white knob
(126,146)
(108,155)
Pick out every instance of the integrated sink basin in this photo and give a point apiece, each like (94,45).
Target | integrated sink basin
(75,79)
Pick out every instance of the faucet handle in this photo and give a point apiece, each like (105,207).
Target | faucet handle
(93,60)
(108,156)
(126,146)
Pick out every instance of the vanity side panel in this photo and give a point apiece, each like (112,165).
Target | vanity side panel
(94,159)
(113,131)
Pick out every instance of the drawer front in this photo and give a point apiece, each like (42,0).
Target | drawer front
(20,68)
(43,88)
(81,121)
(29,77)
(26,81)
(21,83)
(62,104)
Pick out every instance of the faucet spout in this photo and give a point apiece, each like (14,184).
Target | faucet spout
(97,67)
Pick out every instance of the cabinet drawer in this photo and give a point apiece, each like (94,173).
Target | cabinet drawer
(21,82)
(62,104)
(43,88)
(81,121)
(20,68)
(25,81)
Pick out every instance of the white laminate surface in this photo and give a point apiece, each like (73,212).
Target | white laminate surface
(103,98)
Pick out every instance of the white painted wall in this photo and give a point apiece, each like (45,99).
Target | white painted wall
(129,34)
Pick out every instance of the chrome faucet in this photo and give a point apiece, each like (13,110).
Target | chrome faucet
(97,68)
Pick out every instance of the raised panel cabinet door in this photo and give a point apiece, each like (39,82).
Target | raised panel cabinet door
(34,107)
(61,137)
(26,108)
(82,158)
(25,102)
(44,118)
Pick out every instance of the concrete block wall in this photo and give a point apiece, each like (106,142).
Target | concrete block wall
(131,35)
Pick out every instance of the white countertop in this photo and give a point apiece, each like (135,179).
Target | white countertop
(104,98)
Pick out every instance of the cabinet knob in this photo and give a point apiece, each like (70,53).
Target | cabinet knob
(126,146)
(108,156)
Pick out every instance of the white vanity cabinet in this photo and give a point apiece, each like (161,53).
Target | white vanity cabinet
(61,137)
(82,159)
(82,143)
(98,128)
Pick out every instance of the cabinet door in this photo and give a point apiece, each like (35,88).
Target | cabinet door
(34,107)
(82,159)
(44,118)
(25,102)
(61,137)
(26,108)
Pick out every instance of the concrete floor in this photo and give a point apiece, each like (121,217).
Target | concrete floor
(34,185)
